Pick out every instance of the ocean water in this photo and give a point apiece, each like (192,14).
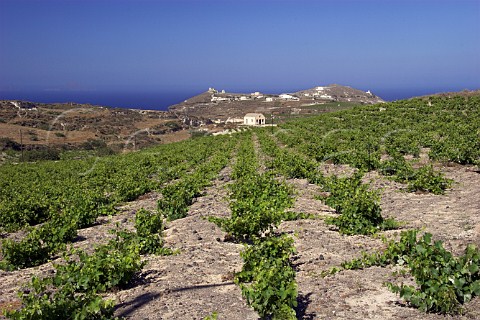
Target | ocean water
(131,100)
(161,100)
(392,94)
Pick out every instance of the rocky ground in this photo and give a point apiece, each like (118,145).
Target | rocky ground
(199,279)
(360,294)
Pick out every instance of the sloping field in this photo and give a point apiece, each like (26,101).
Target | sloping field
(263,223)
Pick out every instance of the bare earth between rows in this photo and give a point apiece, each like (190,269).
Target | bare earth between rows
(199,280)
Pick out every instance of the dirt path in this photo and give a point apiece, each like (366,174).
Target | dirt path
(87,239)
(453,218)
(190,285)
(360,294)
(199,280)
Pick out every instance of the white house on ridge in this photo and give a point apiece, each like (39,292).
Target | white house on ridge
(254,119)
(285,96)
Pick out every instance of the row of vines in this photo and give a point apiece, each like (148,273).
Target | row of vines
(50,216)
(391,139)
(44,204)
(258,203)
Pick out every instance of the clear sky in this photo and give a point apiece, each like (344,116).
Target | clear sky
(266,45)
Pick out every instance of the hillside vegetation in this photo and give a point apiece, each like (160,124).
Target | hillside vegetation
(315,215)
(55,131)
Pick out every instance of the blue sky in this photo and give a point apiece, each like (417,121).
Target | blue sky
(238,45)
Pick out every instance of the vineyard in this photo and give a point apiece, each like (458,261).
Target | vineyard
(365,213)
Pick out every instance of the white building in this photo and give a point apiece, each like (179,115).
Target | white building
(285,96)
(215,98)
(326,96)
(234,120)
(254,119)
(269,99)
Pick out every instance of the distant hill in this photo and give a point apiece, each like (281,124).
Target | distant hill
(220,105)
(72,125)
(339,93)
(463,93)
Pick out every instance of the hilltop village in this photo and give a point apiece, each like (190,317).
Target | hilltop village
(222,107)
(71,125)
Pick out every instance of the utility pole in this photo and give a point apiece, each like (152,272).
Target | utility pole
(21,143)
(271,116)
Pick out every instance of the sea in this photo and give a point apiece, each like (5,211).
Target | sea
(161,100)
(130,100)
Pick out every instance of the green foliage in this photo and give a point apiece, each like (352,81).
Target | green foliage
(69,195)
(267,278)
(26,253)
(259,199)
(423,179)
(51,200)
(46,153)
(173,125)
(426,179)
(179,196)
(358,206)
(403,142)
(110,266)
(213,316)
(62,304)
(459,142)
(292,216)
(444,282)
(38,245)
(446,125)
(73,291)
(398,168)
(147,223)
(287,162)
(9,144)
(258,205)
(149,227)
(198,134)
(33,193)
(92,144)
